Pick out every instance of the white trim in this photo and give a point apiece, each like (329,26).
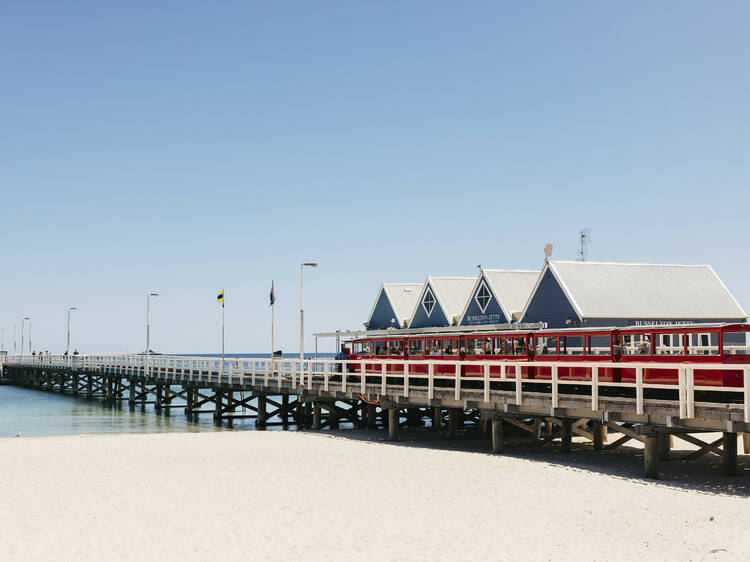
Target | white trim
(431,293)
(428,283)
(571,301)
(372,310)
(567,292)
(484,283)
(731,296)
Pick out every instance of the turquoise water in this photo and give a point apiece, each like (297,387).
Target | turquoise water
(33,413)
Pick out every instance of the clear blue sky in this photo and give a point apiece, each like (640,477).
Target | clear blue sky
(182,147)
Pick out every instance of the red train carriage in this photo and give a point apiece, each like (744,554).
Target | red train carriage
(709,344)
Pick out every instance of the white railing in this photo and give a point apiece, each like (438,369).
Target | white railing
(396,377)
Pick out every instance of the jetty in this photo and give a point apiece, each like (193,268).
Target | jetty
(318,393)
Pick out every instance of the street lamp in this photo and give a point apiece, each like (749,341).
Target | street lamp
(148,329)
(67,346)
(22,321)
(302,313)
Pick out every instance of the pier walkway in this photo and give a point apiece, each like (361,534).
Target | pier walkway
(324,392)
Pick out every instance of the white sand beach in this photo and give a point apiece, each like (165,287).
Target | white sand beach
(287,495)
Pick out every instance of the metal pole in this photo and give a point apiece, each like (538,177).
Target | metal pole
(301,319)
(22,321)
(29,336)
(15,340)
(222,338)
(148,334)
(67,346)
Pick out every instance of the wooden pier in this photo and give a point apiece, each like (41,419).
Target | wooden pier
(318,393)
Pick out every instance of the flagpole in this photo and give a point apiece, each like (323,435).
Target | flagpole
(222,335)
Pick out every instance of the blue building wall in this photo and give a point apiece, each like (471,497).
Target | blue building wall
(421,320)
(382,315)
(492,315)
(549,304)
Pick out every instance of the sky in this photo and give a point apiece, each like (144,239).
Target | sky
(183,147)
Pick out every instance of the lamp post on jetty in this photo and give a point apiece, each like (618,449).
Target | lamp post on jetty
(22,321)
(302,313)
(67,346)
(148,330)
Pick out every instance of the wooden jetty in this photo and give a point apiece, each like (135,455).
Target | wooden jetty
(316,393)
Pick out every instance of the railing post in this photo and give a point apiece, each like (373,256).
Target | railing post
(362,379)
(519,385)
(690,383)
(486,383)
(458,381)
(595,388)
(746,383)
(503,372)
(326,376)
(555,390)
(681,391)
(430,380)
(343,381)
(383,378)
(639,390)
(406,381)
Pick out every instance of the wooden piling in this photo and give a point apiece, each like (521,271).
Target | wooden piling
(536,430)
(746,443)
(316,415)
(566,436)
(437,418)
(597,428)
(497,436)
(452,422)
(651,456)
(393,421)
(729,454)
(260,421)
(372,416)
(665,446)
(218,399)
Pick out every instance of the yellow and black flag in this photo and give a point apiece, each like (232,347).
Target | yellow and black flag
(220,297)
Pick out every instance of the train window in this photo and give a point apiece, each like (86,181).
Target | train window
(597,345)
(397,347)
(416,347)
(357,347)
(546,346)
(669,344)
(381,347)
(474,346)
(735,343)
(636,344)
(363,348)
(703,344)
(519,346)
(450,347)
(432,347)
(498,346)
(571,345)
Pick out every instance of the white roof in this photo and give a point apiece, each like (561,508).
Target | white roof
(451,294)
(403,298)
(512,288)
(643,290)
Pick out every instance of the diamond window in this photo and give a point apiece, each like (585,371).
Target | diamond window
(483,297)
(428,302)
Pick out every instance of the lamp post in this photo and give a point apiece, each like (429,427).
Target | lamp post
(148,330)
(22,321)
(67,346)
(302,313)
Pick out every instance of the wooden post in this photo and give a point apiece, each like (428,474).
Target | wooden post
(89,386)
(285,410)
(372,416)
(218,402)
(452,422)
(536,430)
(437,418)
(497,436)
(333,416)
(651,456)
(189,400)
(316,415)
(260,421)
(75,384)
(393,420)
(729,456)
(665,446)
(746,443)
(566,437)
(483,427)
(159,397)
(597,428)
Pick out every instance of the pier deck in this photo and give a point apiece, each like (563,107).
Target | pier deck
(319,392)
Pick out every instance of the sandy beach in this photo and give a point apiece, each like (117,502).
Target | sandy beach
(284,495)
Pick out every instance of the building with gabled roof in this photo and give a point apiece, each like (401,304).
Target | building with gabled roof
(393,306)
(498,296)
(573,293)
(441,301)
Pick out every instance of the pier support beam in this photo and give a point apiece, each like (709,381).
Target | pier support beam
(498,442)
(536,430)
(260,421)
(452,422)
(393,422)
(665,446)
(598,429)
(729,454)
(189,401)
(651,456)
(372,416)
(566,435)
(316,415)
(437,418)
(218,398)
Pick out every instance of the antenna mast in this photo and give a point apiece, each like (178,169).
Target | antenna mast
(585,237)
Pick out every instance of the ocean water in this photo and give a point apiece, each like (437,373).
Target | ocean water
(34,413)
